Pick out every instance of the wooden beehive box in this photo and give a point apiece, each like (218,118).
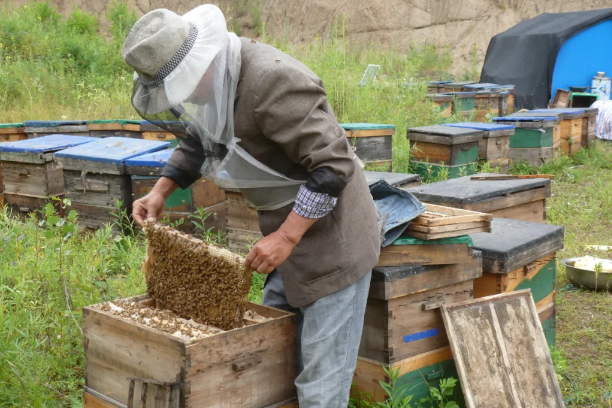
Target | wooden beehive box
(464,103)
(434,87)
(568,129)
(521,255)
(589,124)
(31,177)
(444,103)
(457,86)
(36,128)
(146,170)
(95,177)
(444,147)
(251,367)
(373,144)
(410,250)
(115,127)
(516,199)
(533,137)
(494,147)
(506,100)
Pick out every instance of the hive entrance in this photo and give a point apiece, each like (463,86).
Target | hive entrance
(194,279)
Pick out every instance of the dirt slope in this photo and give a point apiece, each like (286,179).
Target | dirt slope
(461,24)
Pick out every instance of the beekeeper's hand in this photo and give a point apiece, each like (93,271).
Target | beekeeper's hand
(151,206)
(273,250)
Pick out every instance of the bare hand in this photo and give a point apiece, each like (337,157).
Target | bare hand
(149,208)
(269,253)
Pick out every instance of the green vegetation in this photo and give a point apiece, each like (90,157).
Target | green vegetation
(54,67)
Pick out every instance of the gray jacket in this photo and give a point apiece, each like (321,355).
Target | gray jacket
(284,120)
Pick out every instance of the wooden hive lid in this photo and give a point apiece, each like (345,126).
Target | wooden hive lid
(53,123)
(482,86)
(441,97)
(464,190)
(439,82)
(525,120)
(394,179)
(444,134)
(148,164)
(512,244)
(566,113)
(115,150)
(15,151)
(11,125)
(389,282)
(460,84)
(498,129)
(463,94)
(366,126)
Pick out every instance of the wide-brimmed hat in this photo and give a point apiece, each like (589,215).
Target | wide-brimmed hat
(170,54)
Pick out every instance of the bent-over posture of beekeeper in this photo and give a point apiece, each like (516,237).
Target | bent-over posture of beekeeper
(254,119)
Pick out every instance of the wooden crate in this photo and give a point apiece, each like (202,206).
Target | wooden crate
(402,318)
(446,145)
(373,143)
(36,129)
(420,372)
(409,250)
(225,369)
(95,176)
(495,141)
(444,104)
(516,199)
(514,244)
(447,222)
(30,176)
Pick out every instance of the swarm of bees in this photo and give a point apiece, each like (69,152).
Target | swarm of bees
(194,279)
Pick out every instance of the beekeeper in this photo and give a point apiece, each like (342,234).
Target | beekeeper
(252,118)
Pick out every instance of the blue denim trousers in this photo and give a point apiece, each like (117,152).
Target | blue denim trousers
(329,333)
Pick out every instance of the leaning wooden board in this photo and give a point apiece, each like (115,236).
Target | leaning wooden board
(501,354)
(225,369)
(500,198)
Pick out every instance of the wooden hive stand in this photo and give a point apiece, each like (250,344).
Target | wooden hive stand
(31,176)
(437,148)
(95,177)
(146,170)
(373,144)
(517,199)
(36,128)
(533,138)
(521,255)
(115,127)
(224,369)
(494,147)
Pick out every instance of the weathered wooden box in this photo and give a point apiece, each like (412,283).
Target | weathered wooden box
(568,130)
(31,177)
(434,87)
(458,86)
(533,139)
(444,103)
(517,199)
(95,177)
(115,127)
(519,255)
(506,100)
(464,103)
(373,144)
(494,147)
(10,132)
(251,367)
(409,250)
(443,147)
(36,128)
(401,318)
(146,170)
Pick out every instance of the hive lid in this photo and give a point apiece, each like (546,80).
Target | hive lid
(440,97)
(120,121)
(464,190)
(566,113)
(482,126)
(366,126)
(156,159)
(45,144)
(460,83)
(10,125)
(512,244)
(113,150)
(439,82)
(394,179)
(482,86)
(524,117)
(53,123)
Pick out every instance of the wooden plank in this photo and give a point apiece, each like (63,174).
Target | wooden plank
(534,211)
(441,254)
(105,126)
(90,401)
(12,137)
(501,202)
(37,180)
(90,166)
(241,241)
(12,131)
(492,148)
(440,235)
(421,278)
(370,133)
(409,325)
(438,215)
(432,152)
(501,353)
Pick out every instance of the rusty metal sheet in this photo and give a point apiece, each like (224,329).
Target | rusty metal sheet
(501,353)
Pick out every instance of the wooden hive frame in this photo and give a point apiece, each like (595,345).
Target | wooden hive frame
(448,222)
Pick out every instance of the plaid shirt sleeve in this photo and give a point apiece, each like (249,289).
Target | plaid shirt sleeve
(310,204)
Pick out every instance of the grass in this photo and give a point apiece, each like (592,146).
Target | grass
(61,68)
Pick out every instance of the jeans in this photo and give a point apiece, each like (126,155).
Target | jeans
(329,333)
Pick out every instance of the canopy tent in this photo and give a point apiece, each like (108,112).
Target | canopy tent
(533,54)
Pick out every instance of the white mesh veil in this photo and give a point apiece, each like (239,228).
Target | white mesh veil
(195,93)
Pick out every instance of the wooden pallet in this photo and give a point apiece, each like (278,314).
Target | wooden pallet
(447,222)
